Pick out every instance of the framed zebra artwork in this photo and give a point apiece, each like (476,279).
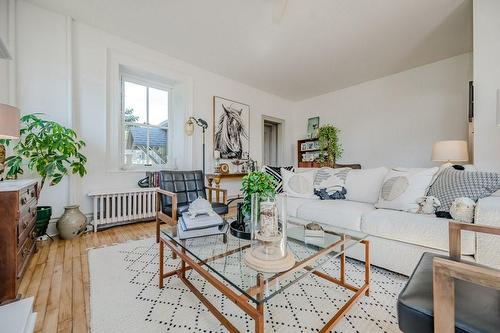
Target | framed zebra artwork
(231,121)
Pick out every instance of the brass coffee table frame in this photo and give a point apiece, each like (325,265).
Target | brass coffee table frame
(243,301)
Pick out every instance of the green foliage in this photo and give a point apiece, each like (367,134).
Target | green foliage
(256,182)
(129,116)
(52,150)
(329,143)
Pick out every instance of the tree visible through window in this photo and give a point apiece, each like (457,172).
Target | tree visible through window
(145,122)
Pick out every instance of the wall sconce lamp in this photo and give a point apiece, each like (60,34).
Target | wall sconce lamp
(189,129)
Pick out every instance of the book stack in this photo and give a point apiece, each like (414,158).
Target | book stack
(200,225)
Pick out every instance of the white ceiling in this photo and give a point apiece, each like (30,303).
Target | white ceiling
(319,45)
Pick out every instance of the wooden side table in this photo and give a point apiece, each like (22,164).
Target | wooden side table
(215,178)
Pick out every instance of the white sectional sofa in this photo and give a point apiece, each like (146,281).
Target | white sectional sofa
(398,238)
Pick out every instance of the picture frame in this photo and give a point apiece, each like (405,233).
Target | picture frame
(231,128)
(312,127)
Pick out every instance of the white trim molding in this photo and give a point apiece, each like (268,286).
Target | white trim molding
(181,108)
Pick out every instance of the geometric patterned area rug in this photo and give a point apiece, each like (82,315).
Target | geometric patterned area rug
(125,298)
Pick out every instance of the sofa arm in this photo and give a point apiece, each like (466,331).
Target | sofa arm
(488,246)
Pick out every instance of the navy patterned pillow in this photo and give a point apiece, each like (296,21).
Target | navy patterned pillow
(337,195)
(275,172)
(452,184)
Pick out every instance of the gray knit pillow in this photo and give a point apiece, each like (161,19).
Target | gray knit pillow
(452,184)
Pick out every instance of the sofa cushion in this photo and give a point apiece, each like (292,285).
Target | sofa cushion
(364,185)
(452,184)
(340,213)
(418,229)
(275,172)
(403,187)
(298,184)
(293,204)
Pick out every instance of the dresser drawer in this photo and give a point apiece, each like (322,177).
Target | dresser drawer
(26,196)
(25,252)
(27,215)
(29,227)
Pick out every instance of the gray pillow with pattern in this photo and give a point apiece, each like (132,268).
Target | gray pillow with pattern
(452,184)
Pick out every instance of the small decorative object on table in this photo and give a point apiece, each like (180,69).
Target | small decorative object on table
(268,251)
(224,168)
(201,220)
(313,230)
(237,163)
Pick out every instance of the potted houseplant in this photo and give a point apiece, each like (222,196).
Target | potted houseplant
(255,182)
(52,151)
(329,144)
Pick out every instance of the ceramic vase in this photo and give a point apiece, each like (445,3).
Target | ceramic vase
(72,223)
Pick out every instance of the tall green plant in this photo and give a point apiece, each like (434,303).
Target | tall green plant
(52,151)
(256,182)
(329,143)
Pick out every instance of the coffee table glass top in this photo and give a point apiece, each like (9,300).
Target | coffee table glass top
(227,261)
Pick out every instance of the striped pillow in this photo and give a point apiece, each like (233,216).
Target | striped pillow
(276,174)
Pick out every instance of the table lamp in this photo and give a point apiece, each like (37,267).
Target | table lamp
(450,151)
(9,129)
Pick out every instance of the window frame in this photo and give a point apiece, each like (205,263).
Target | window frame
(127,77)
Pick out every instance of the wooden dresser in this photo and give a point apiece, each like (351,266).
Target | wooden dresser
(18,201)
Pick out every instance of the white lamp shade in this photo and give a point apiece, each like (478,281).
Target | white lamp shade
(452,150)
(9,122)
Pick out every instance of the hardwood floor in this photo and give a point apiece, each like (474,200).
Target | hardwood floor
(58,277)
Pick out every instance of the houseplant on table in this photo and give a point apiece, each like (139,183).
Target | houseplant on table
(52,151)
(254,182)
(329,144)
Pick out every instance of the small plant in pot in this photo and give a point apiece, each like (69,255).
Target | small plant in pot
(255,182)
(52,151)
(329,144)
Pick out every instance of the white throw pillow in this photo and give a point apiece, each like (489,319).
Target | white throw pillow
(332,180)
(298,184)
(364,185)
(402,187)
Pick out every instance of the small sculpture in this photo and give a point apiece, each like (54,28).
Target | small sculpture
(428,205)
(462,209)
(200,207)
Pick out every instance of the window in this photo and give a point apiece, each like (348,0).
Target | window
(145,107)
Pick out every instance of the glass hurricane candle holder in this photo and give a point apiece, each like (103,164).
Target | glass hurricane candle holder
(268,251)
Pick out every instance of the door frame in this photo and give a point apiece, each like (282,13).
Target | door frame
(279,137)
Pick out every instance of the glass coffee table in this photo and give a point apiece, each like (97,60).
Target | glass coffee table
(222,264)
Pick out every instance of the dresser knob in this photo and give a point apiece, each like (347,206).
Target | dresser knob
(25,223)
(23,201)
(25,252)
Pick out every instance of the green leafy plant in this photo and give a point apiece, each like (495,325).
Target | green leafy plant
(52,150)
(329,144)
(256,182)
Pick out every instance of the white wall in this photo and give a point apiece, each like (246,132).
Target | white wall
(62,71)
(393,121)
(486,82)
(7,67)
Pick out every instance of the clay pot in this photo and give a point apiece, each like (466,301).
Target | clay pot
(72,223)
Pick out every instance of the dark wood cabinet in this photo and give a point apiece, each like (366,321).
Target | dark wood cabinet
(308,152)
(18,201)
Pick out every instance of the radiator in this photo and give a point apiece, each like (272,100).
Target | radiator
(117,207)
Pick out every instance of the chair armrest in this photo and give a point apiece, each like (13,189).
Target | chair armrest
(455,229)
(218,192)
(444,274)
(173,196)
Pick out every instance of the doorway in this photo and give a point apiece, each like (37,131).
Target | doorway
(272,141)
